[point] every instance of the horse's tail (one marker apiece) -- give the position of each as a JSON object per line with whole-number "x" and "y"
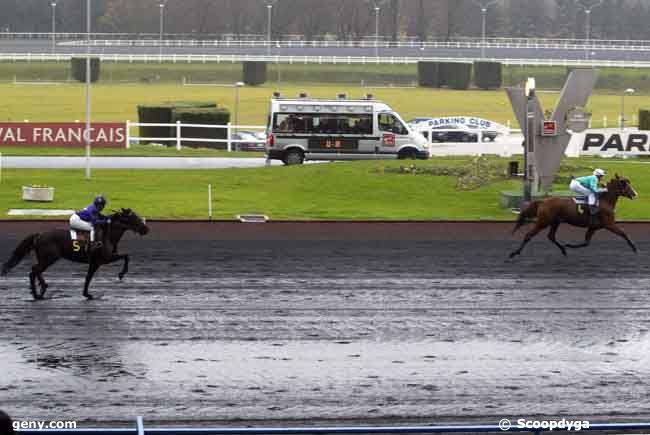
{"x": 19, "y": 253}
{"x": 526, "y": 214}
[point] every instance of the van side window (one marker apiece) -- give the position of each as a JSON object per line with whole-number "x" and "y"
{"x": 388, "y": 122}
{"x": 323, "y": 123}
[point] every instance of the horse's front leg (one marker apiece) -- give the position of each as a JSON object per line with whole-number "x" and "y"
{"x": 92, "y": 268}
{"x": 616, "y": 230}
{"x": 125, "y": 266}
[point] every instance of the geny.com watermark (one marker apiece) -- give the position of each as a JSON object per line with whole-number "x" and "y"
{"x": 564, "y": 424}
{"x": 42, "y": 425}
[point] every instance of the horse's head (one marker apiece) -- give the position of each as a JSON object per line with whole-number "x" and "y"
{"x": 621, "y": 187}
{"x": 131, "y": 221}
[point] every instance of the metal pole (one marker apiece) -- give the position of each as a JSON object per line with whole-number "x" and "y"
{"x": 622, "y": 121}
{"x": 53, "y": 27}
{"x": 376, "y": 31}
{"x": 530, "y": 148}
{"x": 269, "y": 7}
{"x": 160, "y": 39}
{"x": 88, "y": 90}
{"x": 484, "y": 13}
{"x": 236, "y": 106}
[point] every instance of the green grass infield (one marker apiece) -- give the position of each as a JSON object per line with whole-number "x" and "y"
{"x": 437, "y": 189}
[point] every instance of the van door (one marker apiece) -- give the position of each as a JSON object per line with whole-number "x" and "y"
{"x": 393, "y": 132}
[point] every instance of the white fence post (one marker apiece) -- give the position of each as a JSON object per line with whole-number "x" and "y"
{"x": 178, "y": 135}
{"x": 228, "y": 130}
{"x": 604, "y": 121}
{"x": 210, "y": 201}
{"x": 128, "y": 134}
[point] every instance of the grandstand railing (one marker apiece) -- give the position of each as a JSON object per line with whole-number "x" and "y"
{"x": 232, "y": 58}
{"x": 568, "y": 44}
{"x": 139, "y": 428}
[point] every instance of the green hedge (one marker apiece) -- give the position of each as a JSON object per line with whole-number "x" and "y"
{"x": 214, "y": 116}
{"x": 164, "y": 114}
{"x": 488, "y": 75}
{"x": 644, "y": 119}
{"x": 78, "y": 69}
{"x": 428, "y": 74}
{"x": 455, "y": 75}
{"x": 254, "y": 73}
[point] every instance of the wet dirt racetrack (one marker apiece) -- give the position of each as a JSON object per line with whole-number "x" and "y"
{"x": 225, "y": 330}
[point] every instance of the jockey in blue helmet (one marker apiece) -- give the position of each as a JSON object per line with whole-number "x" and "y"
{"x": 87, "y": 218}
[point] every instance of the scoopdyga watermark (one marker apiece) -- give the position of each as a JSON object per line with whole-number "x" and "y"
{"x": 546, "y": 425}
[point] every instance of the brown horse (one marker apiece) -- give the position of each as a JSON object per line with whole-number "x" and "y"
{"x": 554, "y": 211}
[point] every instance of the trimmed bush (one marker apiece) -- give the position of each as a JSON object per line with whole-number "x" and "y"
{"x": 488, "y": 75}
{"x": 644, "y": 119}
{"x": 254, "y": 73}
{"x": 443, "y": 73}
{"x": 191, "y": 104}
{"x": 164, "y": 114}
{"x": 428, "y": 74}
{"x": 455, "y": 75}
{"x": 210, "y": 116}
{"x": 78, "y": 69}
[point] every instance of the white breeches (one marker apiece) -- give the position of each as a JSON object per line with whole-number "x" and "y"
{"x": 582, "y": 190}
{"x": 76, "y": 223}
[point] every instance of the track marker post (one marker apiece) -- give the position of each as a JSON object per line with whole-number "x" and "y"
{"x": 210, "y": 201}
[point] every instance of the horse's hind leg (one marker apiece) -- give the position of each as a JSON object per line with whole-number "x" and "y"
{"x": 37, "y": 273}
{"x": 551, "y": 237}
{"x": 588, "y": 236}
{"x": 32, "y": 284}
{"x": 532, "y": 233}
{"x": 92, "y": 268}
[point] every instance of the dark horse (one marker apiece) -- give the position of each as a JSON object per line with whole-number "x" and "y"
{"x": 554, "y": 211}
{"x": 54, "y": 245}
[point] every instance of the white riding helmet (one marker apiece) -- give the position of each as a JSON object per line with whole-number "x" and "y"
{"x": 599, "y": 173}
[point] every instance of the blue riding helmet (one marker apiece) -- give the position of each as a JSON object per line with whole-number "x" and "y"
{"x": 100, "y": 202}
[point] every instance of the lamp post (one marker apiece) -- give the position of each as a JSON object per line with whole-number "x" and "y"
{"x": 484, "y": 5}
{"x": 237, "y": 86}
{"x": 160, "y": 38}
{"x": 629, "y": 91}
{"x": 87, "y": 133}
{"x": 376, "y": 31}
{"x": 588, "y": 9}
{"x": 376, "y": 6}
{"x": 529, "y": 136}
{"x": 269, "y": 13}
{"x": 53, "y": 27}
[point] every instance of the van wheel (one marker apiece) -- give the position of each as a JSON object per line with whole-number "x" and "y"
{"x": 407, "y": 154}
{"x": 293, "y": 157}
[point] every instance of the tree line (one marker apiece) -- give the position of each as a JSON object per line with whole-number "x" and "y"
{"x": 341, "y": 19}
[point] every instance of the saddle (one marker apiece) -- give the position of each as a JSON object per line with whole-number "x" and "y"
{"x": 582, "y": 200}
{"x": 79, "y": 235}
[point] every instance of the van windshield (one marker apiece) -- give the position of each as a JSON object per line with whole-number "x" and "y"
{"x": 390, "y": 122}
{"x": 323, "y": 123}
